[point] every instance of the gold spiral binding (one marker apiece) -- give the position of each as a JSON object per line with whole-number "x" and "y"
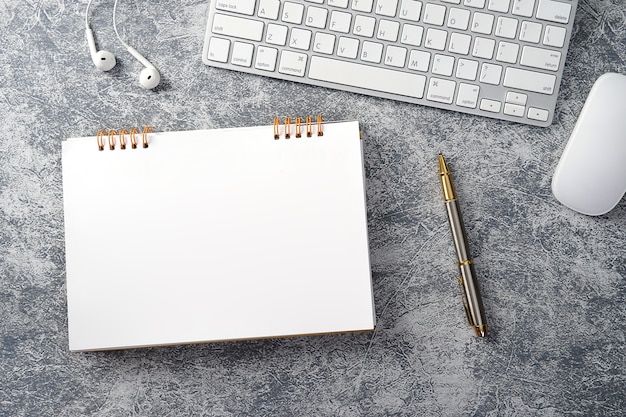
{"x": 287, "y": 128}
{"x": 123, "y": 134}
{"x": 133, "y": 139}
{"x": 320, "y": 131}
{"x": 112, "y": 133}
{"x": 309, "y": 127}
{"x": 298, "y": 123}
{"x": 100, "y": 139}
{"x": 276, "y": 127}
{"x": 144, "y": 135}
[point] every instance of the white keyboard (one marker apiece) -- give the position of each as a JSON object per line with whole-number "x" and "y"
{"x": 496, "y": 58}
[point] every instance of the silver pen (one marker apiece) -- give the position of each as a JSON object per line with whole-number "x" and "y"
{"x": 470, "y": 294}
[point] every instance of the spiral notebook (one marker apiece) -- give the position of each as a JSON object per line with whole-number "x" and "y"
{"x": 215, "y": 235}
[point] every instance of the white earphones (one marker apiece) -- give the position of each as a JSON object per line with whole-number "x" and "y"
{"x": 103, "y": 60}
{"x": 149, "y": 77}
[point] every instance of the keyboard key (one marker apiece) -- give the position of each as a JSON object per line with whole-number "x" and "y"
{"x": 483, "y": 48}
{"x": 523, "y": 8}
{"x": 482, "y": 23}
{"x": 337, "y": 3}
{"x": 372, "y": 52}
{"x": 467, "y": 69}
{"x": 477, "y": 4}
{"x": 362, "y": 5}
{"x": 386, "y": 7}
{"x": 410, "y": 10}
{"x": 530, "y": 32}
{"x": 460, "y": 43}
{"x": 435, "y": 39}
{"x": 266, "y": 58}
{"x": 242, "y": 54}
{"x": 490, "y": 74}
{"x": 554, "y": 11}
{"x": 441, "y": 90}
{"x": 388, "y": 30}
{"x": 292, "y": 13}
{"x": 218, "y": 49}
{"x": 506, "y": 27}
{"x": 554, "y": 36}
{"x": 458, "y": 18}
{"x": 443, "y": 65}
{"x": 300, "y": 39}
{"x": 395, "y": 56}
{"x": 514, "y": 110}
{"x": 434, "y": 14}
{"x": 237, "y": 27}
{"x": 364, "y": 26}
{"x": 467, "y": 95}
{"x": 419, "y": 60}
{"x": 538, "y": 114}
{"x": 236, "y": 6}
{"x": 516, "y": 98}
{"x": 489, "y": 105}
{"x": 269, "y": 9}
{"x": 501, "y": 6}
{"x": 276, "y": 34}
{"x": 348, "y": 47}
{"x": 340, "y": 22}
{"x": 324, "y": 43}
{"x": 540, "y": 58}
{"x": 507, "y": 52}
{"x": 529, "y": 80}
{"x": 364, "y": 76}
{"x": 412, "y": 35}
{"x": 292, "y": 63}
{"x": 316, "y": 17}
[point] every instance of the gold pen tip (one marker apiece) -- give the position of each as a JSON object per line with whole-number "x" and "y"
{"x": 443, "y": 167}
{"x": 481, "y": 331}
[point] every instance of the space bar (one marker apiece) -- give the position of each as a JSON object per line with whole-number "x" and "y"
{"x": 364, "y": 76}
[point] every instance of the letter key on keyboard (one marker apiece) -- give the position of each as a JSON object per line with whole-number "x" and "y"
{"x": 502, "y": 59}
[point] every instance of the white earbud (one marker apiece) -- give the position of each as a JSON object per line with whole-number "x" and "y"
{"x": 103, "y": 60}
{"x": 149, "y": 77}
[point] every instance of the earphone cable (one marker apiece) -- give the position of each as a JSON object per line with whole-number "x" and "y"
{"x": 115, "y": 25}
{"x": 87, "y": 14}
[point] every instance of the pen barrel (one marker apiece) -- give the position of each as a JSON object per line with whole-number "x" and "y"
{"x": 470, "y": 288}
{"x": 458, "y": 231}
{"x": 472, "y": 295}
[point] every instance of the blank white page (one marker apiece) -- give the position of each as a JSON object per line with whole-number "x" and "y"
{"x": 216, "y": 235}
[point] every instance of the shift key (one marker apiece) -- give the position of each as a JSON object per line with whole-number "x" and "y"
{"x": 237, "y": 27}
{"x": 529, "y": 80}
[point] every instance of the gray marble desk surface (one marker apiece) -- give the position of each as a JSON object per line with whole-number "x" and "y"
{"x": 553, "y": 281}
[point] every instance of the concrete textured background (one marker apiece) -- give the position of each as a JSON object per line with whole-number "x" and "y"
{"x": 553, "y": 281}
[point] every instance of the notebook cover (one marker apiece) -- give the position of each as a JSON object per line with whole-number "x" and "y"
{"x": 216, "y": 235}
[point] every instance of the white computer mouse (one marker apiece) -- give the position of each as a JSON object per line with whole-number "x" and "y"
{"x": 591, "y": 174}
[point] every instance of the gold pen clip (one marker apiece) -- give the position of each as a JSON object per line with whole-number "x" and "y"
{"x": 464, "y": 300}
